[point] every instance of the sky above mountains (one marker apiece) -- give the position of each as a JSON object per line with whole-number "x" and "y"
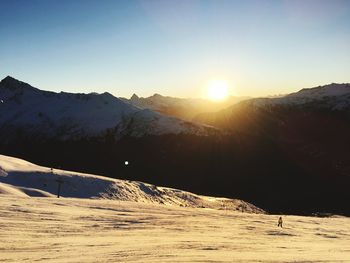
{"x": 175, "y": 47}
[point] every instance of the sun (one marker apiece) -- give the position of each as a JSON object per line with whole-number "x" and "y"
{"x": 217, "y": 90}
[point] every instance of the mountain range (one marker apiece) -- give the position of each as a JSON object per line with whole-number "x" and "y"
{"x": 284, "y": 154}
{"x": 184, "y": 108}
{"x": 65, "y": 116}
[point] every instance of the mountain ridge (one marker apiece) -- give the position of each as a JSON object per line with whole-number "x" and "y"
{"x": 78, "y": 114}
{"x": 183, "y": 108}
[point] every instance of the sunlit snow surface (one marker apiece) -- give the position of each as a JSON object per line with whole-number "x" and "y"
{"x": 145, "y": 223}
{"x": 85, "y": 230}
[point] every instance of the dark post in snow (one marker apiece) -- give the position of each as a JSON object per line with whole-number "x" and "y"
{"x": 59, "y": 181}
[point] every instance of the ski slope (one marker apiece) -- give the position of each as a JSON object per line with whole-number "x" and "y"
{"x": 85, "y": 230}
{"x": 108, "y": 220}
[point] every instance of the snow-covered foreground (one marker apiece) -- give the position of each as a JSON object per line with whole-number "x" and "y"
{"x": 101, "y": 219}
{"x": 84, "y": 230}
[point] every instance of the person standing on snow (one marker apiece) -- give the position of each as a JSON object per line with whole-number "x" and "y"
{"x": 280, "y": 222}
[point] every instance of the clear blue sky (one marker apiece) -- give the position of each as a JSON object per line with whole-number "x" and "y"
{"x": 175, "y": 47}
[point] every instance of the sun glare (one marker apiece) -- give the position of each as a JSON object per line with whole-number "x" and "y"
{"x": 217, "y": 90}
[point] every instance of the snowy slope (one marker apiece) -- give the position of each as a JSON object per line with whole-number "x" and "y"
{"x": 21, "y": 178}
{"x": 51, "y": 230}
{"x": 333, "y": 96}
{"x": 67, "y": 115}
{"x": 329, "y": 90}
{"x": 146, "y": 122}
{"x": 24, "y": 105}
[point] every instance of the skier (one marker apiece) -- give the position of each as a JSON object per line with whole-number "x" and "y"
{"x": 280, "y": 221}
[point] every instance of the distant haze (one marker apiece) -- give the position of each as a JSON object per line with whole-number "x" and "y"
{"x": 175, "y": 48}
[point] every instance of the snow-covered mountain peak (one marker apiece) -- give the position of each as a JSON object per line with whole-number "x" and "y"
{"x": 329, "y": 90}
{"x": 11, "y": 83}
{"x": 10, "y": 80}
